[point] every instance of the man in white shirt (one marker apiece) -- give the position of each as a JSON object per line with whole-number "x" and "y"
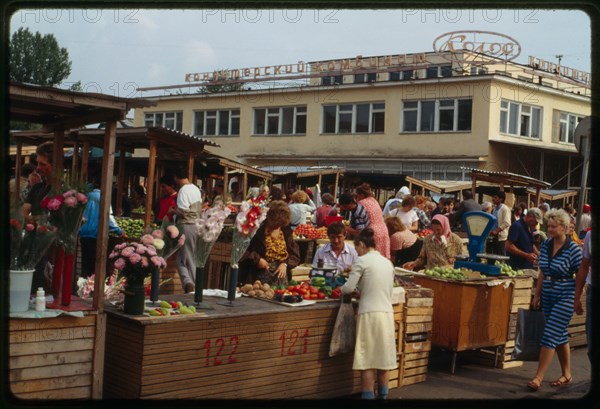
{"x": 502, "y": 213}
{"x": 395, "y": 202}
{"x": 337, "y": 252}
{"x": 189, "y": 205}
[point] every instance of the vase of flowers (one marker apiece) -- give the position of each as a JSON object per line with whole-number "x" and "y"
{"x": 166, "y": 240}
{"x": 250, "y": 216}
{"x": 209, "y": 224}
{"x": 136, "y": 261}
{"x": 29, "y": 241}
{"x": 65, "y": 212}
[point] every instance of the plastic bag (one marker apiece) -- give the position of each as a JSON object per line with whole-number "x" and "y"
{"x": 344, "y": 329}
{"x": 530, "y": 328}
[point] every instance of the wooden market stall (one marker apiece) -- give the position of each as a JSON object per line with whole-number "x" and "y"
{"x": 551, "y": 196}
{"x": 504, "y": 179}
{"x": 256, "y": 350}
{"x": 62, "y": 356}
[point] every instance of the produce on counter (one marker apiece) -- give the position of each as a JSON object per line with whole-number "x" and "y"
{"x": 258, "y": 289}
{"x": 167, "y": 308}
{"x": 450, "y": 273}
{"x": 133, "y": 228}
{"x": 508, "y": 270}
{"x": 424, "y": 233}
{"x": 308, "y": 231}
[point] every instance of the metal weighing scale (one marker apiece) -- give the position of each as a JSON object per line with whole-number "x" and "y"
{"x": 478, "y": 226}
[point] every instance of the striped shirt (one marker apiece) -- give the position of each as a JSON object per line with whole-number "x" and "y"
{"x": 359, "y": 219}
{"x": 565, "y": 262}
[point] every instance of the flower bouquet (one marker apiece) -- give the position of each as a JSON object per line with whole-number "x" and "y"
{"x": 136, "y": 261}
{"x": 29, "y": 242}
{"x": 251, "y": 214}
{"x": 209, "y": 224}
{"x": 65, "y": 212}
{"x": 114, "y": 287}
{"x": 166, "y": 240}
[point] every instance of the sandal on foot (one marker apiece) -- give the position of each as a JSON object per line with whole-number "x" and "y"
{"x": 532, "y": 385}
{"x": 563, "y": 380}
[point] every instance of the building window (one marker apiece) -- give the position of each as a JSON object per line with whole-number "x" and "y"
{"x": 354, "y": 118}
{"x": 445, "y": 115}
{"x": 403, "y": 75}
{"x": 280, "y": 121}
{"x": 567, "y": 125}
{"x": 362, "y": 78}
{"x": 217, "y": 123}
{"x": 332, "y": 80}
{"x": 170, "y": 120}
{"x": 520, "y": 119}
{"x": 439, "y": 71}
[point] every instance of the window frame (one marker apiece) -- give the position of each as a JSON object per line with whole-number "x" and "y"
{"x": 279, "y": 116}
{"x": 217, "y": 118}
{"x": 175, "y": 116}
{"x": 437, "y": 108}
{"x": 353, "y": 121}
{"x": 504, "y": 126}
{"x": 569, "y": 133}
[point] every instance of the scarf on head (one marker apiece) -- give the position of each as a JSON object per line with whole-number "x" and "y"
{"x": 445, "y": 227}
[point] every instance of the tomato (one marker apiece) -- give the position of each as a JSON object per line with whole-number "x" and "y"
{"x": 306, "y": 296}
{"x": 313, "y": 290}
{"x": 321, "y": 296}
{"x": 314, "y": 296}
{"x": 291, "y": 287}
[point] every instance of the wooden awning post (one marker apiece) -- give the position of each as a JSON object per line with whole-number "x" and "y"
{"x": 335, "y": 186}
{"x": 245, "y": 185}
{"x": 18, "y": 168}
{"x": 537, "y": 196}
{"x": 225, "y": 185}
{"x": 190, "y": 166}
{"x": 59, "y": 154}
{"x": 85, "y": 160}
{"x": 118, "y": 210}
{"x": 108, "y": 162}
{"x": 150, "y": 190}
{"x": 75, "y": 160}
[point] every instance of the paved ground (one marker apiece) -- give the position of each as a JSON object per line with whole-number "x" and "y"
{"x": 474, "y": 382}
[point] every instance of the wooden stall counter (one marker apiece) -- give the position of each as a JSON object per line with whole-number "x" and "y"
{"x": 254, "y": 350}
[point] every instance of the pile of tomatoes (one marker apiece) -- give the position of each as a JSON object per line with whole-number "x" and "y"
{"x": 308, "y": 231}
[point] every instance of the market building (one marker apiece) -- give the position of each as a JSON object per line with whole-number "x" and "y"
{"x": 428, "y": 115}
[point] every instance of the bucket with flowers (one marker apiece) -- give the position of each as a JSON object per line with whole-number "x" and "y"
{"x": 65, "y": 212}
{"x": 29, "y": 241}
{"x": 135, "y": 261}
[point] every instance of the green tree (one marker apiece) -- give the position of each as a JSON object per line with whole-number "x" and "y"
{"x": 37, "y": 59}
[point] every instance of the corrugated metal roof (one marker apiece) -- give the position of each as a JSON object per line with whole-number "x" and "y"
{"x": 511, "y": 177}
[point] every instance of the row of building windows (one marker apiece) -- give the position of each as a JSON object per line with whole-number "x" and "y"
{"x": 442, "y": 115}
{"x": 437, "y": 71}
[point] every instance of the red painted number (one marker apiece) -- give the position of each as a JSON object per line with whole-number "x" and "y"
{"x": 289, "y": 341}
{"x": 220, "y": 344}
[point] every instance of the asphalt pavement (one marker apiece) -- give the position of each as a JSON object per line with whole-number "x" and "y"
{"x": 475, "y": 382}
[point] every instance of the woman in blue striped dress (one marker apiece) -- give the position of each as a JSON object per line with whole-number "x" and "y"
{"x": 559, "y": 260}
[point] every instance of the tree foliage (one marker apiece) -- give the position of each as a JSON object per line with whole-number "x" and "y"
{"x": 37, "y": 59}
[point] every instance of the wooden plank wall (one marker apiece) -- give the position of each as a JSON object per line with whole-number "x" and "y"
{"x": 51, "y": 358}
{"x": 267, "y": 356}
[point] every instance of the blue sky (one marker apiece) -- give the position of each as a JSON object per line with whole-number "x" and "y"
{"x": 117, "y": 51}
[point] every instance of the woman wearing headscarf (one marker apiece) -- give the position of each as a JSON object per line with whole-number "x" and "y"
{"x": 365, "y": 197}
{"x": 440, "y": 248}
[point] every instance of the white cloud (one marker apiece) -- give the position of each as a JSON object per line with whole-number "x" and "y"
{"x": 200, "y": 57}
{"x": 155, "y": 72}
{"x": 146, "y": 22}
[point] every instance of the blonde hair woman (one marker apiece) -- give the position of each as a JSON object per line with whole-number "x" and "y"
{"x": 559, "y": 260}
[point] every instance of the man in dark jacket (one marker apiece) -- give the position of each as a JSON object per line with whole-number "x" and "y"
{"x": 467, "y": 205}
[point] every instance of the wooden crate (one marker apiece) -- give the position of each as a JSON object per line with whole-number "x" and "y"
{"x": 52, "y": 358}
{"x": 414, "y": 343}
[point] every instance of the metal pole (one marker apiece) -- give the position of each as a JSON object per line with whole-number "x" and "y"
{"x": 586, "y": 146}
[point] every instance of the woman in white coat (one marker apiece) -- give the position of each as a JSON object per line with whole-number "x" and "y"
{"x": 375, "y": 350}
